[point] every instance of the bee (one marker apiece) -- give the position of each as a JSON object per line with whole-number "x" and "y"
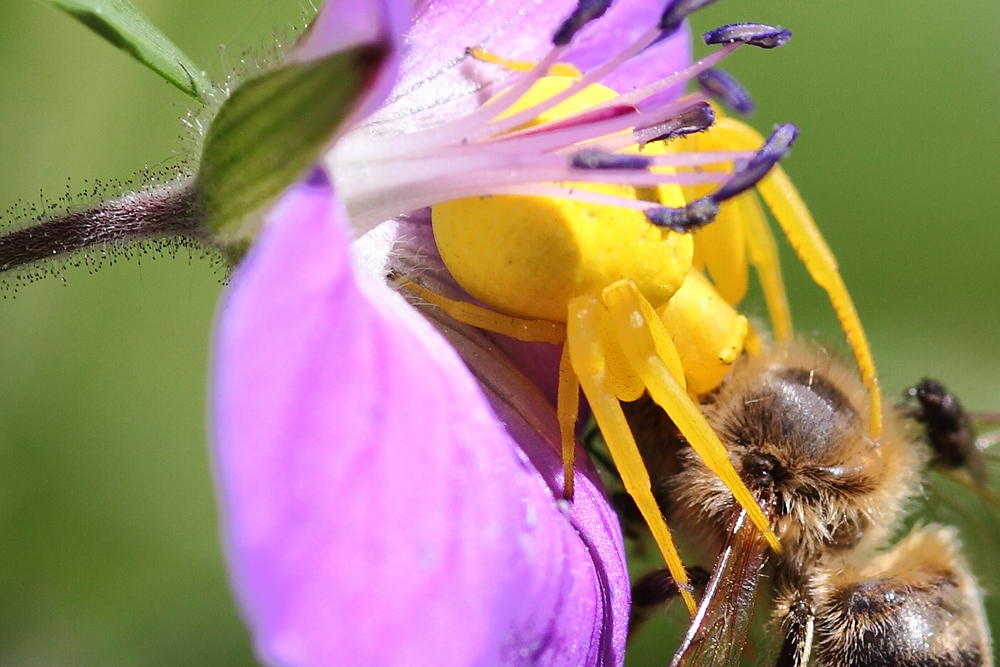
{"x": 794, "y": 422}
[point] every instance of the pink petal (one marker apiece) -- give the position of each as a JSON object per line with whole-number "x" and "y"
{"x": 375, "y": 509}
{"x": 344, "y": 24}
{"x": 437, "y": 82}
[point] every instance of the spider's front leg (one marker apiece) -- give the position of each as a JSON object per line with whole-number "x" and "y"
{"x": 590, "y": 362}
{"x": 649, "y": 350}
{"x": 799, "y": 227}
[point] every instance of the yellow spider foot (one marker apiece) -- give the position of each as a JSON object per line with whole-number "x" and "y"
{"x": 793, "y": 216}
{"x": 650, "y": 351}
{"x": 805, "y": 238}
{"x": 567, "y": 411}
{"x": 590, "y": 365}
{"x": 536, "y": 331}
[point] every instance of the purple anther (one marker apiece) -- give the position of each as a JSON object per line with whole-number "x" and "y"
{"x": 595, "y": 158}
{"x": 723, "y": 86}
{"x": 676, "y": 11}
{"x": 775, "y": 148}
{"x": 756, "y": 34}
{"x": 585, "y": 12}
{"x": 694, "y": 119}
{"x": 692, "y": 217}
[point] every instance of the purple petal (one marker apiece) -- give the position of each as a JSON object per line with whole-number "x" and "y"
{"x": 341, "y": 25}
{"x": 374, "y": 508}
{"x": 436, "y": 82}
{"x": 624, "y": 23}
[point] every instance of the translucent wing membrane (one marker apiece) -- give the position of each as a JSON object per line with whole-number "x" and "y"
{"x": 719, "y": 629}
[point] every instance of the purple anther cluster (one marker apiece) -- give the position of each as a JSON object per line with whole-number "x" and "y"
{"x": 724, "y": 87}
{"x": 756, "y": 34}
{"x": 702, "y": 211}
{"x": 595, "y": 158}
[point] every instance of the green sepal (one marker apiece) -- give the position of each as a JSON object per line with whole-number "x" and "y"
{"x": 271, "y": 130}
{"x": 119, "y": 22}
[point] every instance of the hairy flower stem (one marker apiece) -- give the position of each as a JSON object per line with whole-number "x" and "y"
{"x": 157, "y": 212}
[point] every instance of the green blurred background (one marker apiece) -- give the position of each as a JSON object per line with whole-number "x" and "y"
{"x": 108, "y": 535}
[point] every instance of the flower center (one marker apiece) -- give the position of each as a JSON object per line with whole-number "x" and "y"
{"x": 525, "y": 143}
{"x": 529, "y": 255}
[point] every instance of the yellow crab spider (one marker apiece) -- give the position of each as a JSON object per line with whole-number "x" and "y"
{"x": 555, "y": 270}
{"x": 601, "y": 261}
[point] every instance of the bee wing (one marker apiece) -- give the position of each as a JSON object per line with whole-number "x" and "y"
{"x": 986, "y": 426}
{"x": 954, "y": 498}
{"x": 982, "y": 463}
{"x": 719, "y": 628}
{"x": 980, "y": 475}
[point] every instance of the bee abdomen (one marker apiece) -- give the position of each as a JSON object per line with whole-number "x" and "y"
{"x": 922, "y": 610}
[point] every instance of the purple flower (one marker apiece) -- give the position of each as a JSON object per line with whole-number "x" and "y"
{"x": 389, "y": 487}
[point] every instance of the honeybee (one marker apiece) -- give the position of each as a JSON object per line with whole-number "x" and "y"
{"x": 794, "y": 422}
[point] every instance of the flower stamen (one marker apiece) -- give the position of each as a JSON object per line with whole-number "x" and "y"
{"x": 758, "y": 34}
{"x": 697, "y": 118}
{"x": 702, "y": 211}
{"x": 724, "y": 87}
{"x": 569, "y": 129}
{"x": 585, "y": 12}
{"x": 678, "y": 10}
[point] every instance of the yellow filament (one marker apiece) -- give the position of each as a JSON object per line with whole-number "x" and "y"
{"x": 559, "y": 69}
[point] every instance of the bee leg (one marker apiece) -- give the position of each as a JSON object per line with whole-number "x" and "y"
{"x": 798, "y": 627}
{"x": 654, "y": 590}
